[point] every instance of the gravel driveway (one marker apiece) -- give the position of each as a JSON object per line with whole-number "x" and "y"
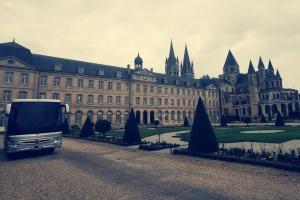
{"x": 90, "y": 170}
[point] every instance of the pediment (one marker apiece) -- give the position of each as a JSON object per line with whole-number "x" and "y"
{"x": 144, "y": 75}
{"x": 14, "y": 62}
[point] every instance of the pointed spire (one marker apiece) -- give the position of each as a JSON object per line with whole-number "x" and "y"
{"x": 251, "y": 69}
{"x": 186, "y": 58}
{"x": 270, "y": 66}
{"x": 261, "y": 65}
{"x": 171, "y": 54}
{"x": 278, "y": 75}
{"x": 230, "y": 60}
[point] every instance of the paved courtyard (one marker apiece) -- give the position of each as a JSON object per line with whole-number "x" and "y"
{"x": 90, "y": 170}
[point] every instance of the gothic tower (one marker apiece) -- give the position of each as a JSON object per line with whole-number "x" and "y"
{"x": 261, "y": 74}
{"x": 172, "y": 63}
{"x": 231, "y": 69}
{"x": 187, "y": 67}
{"x": 253, "y": 91}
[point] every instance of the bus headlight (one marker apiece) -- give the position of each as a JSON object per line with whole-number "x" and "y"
{"x": 12, "y": 144}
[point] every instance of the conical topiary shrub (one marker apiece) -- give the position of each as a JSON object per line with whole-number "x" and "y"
{"x": 186, "y": 122}
{"x": 263, "y": 119}
{"x": 279, "y": 121}
{"x": 132, "y": 133}
{"x": 65, "y": 127}
{"x": 223, "y": 121}
{"x": 87, "y": 128}
{"x": 202, "y": 136}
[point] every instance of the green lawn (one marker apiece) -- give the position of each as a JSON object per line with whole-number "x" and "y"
{"x": 233, "y": 134}
{"x": 146, "y": 132}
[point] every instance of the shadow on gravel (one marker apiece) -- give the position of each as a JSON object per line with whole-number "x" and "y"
{"x": 24, "y": 155}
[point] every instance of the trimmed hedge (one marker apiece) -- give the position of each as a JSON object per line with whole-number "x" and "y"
{"x": 150, "y": 146}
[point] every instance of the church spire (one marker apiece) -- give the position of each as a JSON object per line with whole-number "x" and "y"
{"x": 187, "y": 67}
{"x": 261, "y": 65}
{"x": 171, "y": 53}
{"x": 172, "y": 63}
{"x": 278, "y": 75}
{"x": 251, "y": 69}
{"x": 270, "y": 66}
{"x": 230, "y": 60}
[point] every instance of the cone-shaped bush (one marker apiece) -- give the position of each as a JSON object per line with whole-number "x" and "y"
{"x": 279, "y": 121}
{"x": 263, "y": 119}
{"x": 202, "y": 136}
{"x": 102, "y": 126}
{"x": 186, "y": 122}
{"x": 132, "y": 133}
{"x": 223, "y": 121}
{"x": 65, "y": 127}
{"x": 87, "y": 128}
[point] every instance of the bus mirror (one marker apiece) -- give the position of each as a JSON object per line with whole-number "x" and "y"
{"x": 7, "y": 109}
{"x": 67, "y": 108}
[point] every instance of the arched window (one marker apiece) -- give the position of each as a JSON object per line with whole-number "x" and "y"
{"x": 99, "y": 115}
{"x": 125, "y": 116}
{"x": 109, "y": 116}
{"x": 90, "y": 114}
{"x": 190, "y": 115}
{"x": 178, "y": 116}
{"x": 172, "y": 115}
{"x": 166, "y": 116}
{"x": 78, "y": 118}
{"x": 118, "y": 117}
{"x": 159, "y": 115}
{"x": 183, "y": 115}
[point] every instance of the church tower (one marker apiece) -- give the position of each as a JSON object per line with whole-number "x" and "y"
{"x": 261, "y": 74}
{"x": 231, "y": 69}
{"x": 172, "y": 63}
{"x": 187, "y": 67}
{"x": 253, "y": 91}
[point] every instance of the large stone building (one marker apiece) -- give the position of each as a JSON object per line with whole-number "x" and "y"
{"x": 108, "y": 92}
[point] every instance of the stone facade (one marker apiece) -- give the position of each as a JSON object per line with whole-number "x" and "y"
{"x": 108, "y": 92}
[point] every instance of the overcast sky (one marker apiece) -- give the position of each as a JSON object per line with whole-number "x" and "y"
{"x": 112, "y": 32}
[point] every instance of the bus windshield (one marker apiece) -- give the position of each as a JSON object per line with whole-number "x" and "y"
{"x": 34, "y": 117}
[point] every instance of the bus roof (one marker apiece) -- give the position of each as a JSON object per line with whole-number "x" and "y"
{"x": 37, "y": 100}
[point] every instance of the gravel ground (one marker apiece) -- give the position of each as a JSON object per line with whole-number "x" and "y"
{"x": 90, "y": 170}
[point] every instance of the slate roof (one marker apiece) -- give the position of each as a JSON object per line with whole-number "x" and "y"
{"x": 243, "y": 78}
{"x": 13, "y": 49}
{"x": 230, "y": 60}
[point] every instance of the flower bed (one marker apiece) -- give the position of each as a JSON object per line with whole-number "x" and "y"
{"x": 110, "y": 140}
{"x": 285, "y": 161}
{"x": 150, "y": 146}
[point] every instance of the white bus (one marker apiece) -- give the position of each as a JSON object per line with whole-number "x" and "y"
{"x": 34, "y": 124}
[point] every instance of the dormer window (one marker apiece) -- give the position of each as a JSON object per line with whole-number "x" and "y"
{"x": 100, "y": 72}
{"x": 81, "y": 69}
{"x": 165, "y": 80}
{"x": 119, "y": 74}
{"x": 57, "y": 67}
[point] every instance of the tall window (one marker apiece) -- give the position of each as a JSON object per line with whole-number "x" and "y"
{"x": 100, "y": 85}
{"x": 22, "y": 95}
{"x": 56, "y": 81}
{"x": 126, "y": 100}
{"x": 55, "y": 96}
{"x": 68, "y": 98}
{"x": 178, "y": 102}
{"x": 109, "y": 116}
{"x": 6, "y": 95}
{"x": 166, "y": 90}
{"x": 145, "y": 88}
{"x": 79, "y": 99}
{"x": 90, "y": 99}
{"x": 151, "y": 89}
{"x": 69, "y": 83}
{"x": 100, "y": 99}
{"x": 183, "y": 92}
{"x": 99, "y": 115}
{"x": 144, "y": 101}
{"x": 172, "y": 90}
{"x": 118, "y": 100}
{"x": 91, "y": 84}
{"x": 8, "y": 77}
{"x": 43, "y": 80}
{"x": 137, "y": 88}
{"x": 159, "y": 90}
{"x": 172, "y": 115}
{"x": 183, "y": 102}
{"x": 178, "y": 91}
{"x": 126, "y": 87}
{"x": 43, "y": 95}
{"x": 78, "y": 118}
{"x": 137, "y": 100}
{"x": 166, "y": 116}
{"x": 90, "y": 115}
{"x": 159, "y": 101}
{"x": 166, "y": 102}
{"x": 80, "y": 83}
{"x": 110, "y": 86}
{"x": 118, "y": 86}
{"x": 118, "y": 117}
{"x": 151, "y": 101}
{"x": 109, "y": 99}
{"x": 24, "y": 79}
{"x": 80, "y": 69}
